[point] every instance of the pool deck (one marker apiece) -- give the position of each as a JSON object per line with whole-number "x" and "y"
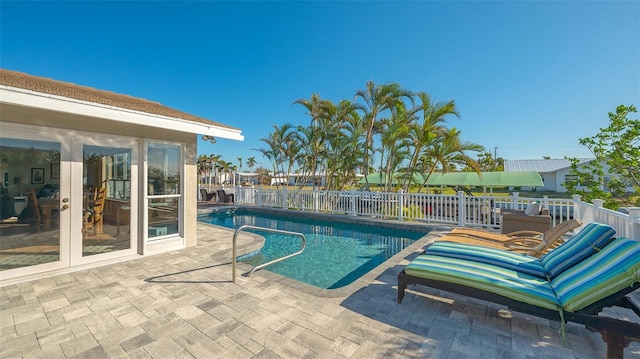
{"x": 183, "y": 304}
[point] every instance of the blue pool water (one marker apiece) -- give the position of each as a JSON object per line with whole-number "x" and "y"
{"x": 336, "y": 254}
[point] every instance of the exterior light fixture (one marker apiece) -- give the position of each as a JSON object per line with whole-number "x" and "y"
{"x": 209, "y": 138}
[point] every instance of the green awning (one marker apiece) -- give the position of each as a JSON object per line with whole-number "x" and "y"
{"x": 486, "y": 179}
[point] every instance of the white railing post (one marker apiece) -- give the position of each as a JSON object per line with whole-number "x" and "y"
{"x": 316, "y": 196}
{"x": 634, "y": 219}
{"x": 545, "y": 201}
{"x": 514, "y": 200}
{"x": 462, "y": 213}
{"x": 352, "y": 197}
{"x": 400, "y": 204}
{"x": 597, "y": 207}
{"x": 285, "y": 197}
{"x": 259, "y": 197}
{"x": 577, "y": 208}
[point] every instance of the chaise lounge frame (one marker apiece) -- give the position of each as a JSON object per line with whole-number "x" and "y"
{"x": 616, "y": 333}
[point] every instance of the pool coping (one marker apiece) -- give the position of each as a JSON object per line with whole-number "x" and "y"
{"x": 434, "y": 232}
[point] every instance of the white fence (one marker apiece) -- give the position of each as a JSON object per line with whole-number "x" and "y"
{"x": 459, "y": 209}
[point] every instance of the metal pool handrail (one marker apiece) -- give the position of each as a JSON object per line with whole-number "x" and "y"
{"x": 246, "y": 226}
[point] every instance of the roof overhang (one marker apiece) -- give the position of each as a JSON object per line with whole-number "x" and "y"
{"x": 31, "y": 99}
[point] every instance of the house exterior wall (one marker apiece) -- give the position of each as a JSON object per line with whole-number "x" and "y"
{"x": 66, "y": 124}
{"x": 560, "y": 176}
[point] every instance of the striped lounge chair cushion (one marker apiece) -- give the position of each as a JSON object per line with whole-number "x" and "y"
{"x": 614, "y": 268}
{"x": 593, "y": 237}
{"x": 506, "y": 282}
{"x": 501, "y": 258}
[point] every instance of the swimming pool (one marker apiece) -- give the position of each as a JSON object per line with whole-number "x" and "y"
{"x": 336, "y": 254}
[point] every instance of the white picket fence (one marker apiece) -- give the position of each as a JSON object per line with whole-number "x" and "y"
{"x": 459, "y": 209}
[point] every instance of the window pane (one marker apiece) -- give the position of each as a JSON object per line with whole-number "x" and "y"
{"x": 107, "y": 200}
{"x": 163, "y": 169}
{"x": 163, "y": 216}
{"x": 29, "y": 203}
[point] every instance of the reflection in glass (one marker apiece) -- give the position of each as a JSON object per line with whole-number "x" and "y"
{"x": 163, "y": 176}
{"x": 30, "y": 207}
{"x": 106, "y": 200}
{"x": 163, "y": 216}
{"x": 163, "y": 169}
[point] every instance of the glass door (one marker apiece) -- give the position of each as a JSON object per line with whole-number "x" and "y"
{"x": 105, "y": 223}
{"x": 34, "y": 196}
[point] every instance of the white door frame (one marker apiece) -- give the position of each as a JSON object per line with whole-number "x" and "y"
{"x": 77, "y": 188}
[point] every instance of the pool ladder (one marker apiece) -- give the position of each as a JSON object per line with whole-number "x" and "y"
{"x": 258, "y": 267}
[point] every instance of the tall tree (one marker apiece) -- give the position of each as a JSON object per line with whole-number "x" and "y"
{"x": 251, "y": 161}
{"x": 377, "y": 99}
{"x": 426, "y": 133}
{"x": 394, "y": 142}
{"x": 449, "y": 153}
{"x": 616, "y": 146}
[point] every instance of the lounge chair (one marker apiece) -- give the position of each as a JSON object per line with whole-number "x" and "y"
{"x": 592, "y": 238}
{"x": 224, "y": 197}
{"x": 206, "y": 196}
{"x": 577, "y": 294}
{"x": 529, "y": 242}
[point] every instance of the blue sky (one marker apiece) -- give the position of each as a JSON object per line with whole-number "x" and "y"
{"x": 529, "y": 78}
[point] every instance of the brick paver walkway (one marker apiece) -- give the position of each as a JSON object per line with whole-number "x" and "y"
{"x": 184, "y": 305}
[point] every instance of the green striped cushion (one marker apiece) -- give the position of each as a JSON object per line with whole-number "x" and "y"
{"x": 583, "y": 244}
{"x": 509, "y": 283}
{"x": 614, "y": 268}
{"x": 501, "y": 258}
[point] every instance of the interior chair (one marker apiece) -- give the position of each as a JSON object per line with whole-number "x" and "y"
{"x": 529, "y": 242}
{"x": 577, "y": 294}
{"x": 206, "y": 196}
{"x": 93, "y": 216}
{"x": 225, "y": 197}
{"x": 31, "y": 213}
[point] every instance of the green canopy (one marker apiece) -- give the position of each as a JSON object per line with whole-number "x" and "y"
{"x": 486, "y": 179}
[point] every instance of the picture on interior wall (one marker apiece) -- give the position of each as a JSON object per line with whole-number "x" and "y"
{"x": 55, "y": 170}
{"x": 37, "y": 175}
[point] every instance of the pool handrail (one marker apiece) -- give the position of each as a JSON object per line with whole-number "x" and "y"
{"x": 258, "y": 267}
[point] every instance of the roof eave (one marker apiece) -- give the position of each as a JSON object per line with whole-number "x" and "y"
{"x": 28, "y": 98}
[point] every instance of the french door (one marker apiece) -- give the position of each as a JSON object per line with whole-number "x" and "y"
{"x": 104, "y": 178}
{"x": 68, "y": 199}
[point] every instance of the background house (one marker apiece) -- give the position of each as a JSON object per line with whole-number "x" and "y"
{"x": 554, "y": 172}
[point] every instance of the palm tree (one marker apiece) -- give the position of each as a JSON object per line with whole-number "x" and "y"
{"x": 428, "y": 131}
{"x": 251, "y": 161}
{"x": 281, "y": 148}
{"x": 213, "y": 163}
{"x": 449, "y": 152}
{"x": 377, "y": 99}
{"x": 203, "y": 166}
{"x": 240, "y": 161}
{"x": 395, "y": 144}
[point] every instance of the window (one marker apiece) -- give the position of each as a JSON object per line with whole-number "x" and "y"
{"x": 164, "y": 188}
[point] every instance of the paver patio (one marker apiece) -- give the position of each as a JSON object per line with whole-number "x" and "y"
{"x": 183, "y": 304}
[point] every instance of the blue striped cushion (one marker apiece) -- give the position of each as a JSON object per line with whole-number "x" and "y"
{"x": 509, "y": 283}
{"x": 505, "y": 259}
{"x": 614, "y": 268}
{"x": 583, "y": 244}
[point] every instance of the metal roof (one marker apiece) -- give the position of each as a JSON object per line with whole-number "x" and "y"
{"x": 540, "y": 166}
